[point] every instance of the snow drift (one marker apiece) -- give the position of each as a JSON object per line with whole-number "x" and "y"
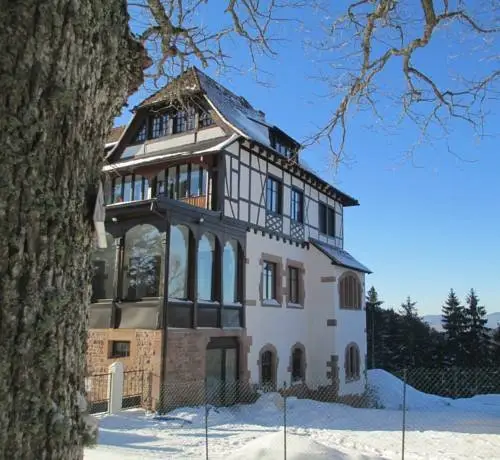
{"x": 389, "y": 391}
{"x": 299, "y": 447}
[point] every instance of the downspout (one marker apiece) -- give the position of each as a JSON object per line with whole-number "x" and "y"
{"x": 162, "y": 405}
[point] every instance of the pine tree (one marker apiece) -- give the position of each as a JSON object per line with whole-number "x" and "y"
{"x": 454, "y": 323}
{"x": 374, "y": 328}
{"x": 495, "y": 353}
{"x": 477, "y": 340}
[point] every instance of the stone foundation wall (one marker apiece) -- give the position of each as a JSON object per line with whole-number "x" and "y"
{"x": 145, "y": 350}
{"x": 186, "y": 354}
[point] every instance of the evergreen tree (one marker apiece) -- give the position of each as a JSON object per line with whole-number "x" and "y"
{"x": 413, "y": 336}
{"x": 454, "y": 324}
{"x": 374, "y": 328}
{"x": 495, "y": 352}
{"x": 476, "y": 337}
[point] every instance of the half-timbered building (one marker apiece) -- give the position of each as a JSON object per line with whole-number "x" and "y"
{"x": 225, "y": 257}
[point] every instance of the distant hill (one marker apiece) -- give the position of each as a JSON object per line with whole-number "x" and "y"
{"x": 435, "y": 321}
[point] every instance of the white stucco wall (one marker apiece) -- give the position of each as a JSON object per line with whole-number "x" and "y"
{"x": 283, "y": 327}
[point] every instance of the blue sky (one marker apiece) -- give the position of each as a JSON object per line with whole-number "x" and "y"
{"x": 423, "y": 226}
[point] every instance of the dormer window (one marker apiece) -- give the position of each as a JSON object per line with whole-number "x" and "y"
{"x": 142, "y": 134}
{"x": 205, "y": 119}
{"x": 159, "y": 125}
{"x": 183, "y": 121}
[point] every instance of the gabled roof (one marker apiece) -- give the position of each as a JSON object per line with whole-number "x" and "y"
{"x": 115, "y": 134}
{"x": 233, "y": 109}
{"x": 339, "y": 256}
{"x": 236, "y": 112}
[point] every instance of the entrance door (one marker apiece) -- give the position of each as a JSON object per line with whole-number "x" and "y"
{"x": 222, "y": 371}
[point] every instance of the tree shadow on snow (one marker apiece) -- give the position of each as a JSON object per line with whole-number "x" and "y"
{"x": 130, "y": 440}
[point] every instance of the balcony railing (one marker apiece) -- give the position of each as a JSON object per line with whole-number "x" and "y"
{"x": 198, "y": 201}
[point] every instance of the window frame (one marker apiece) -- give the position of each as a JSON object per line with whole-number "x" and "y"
{"x": 114, "y": 353}
{"x": 293, "y": 290}
{"x": 275, "y": 204}
{"x": 352, "y": 364}
{"x": 350, "y": 292}
{"x": 326, "y": 219}
{"x": 297, "y": 205}
{"x": 269, "y": 281}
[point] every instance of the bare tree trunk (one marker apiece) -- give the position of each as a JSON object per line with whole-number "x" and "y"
{"x": 66, "y": 68}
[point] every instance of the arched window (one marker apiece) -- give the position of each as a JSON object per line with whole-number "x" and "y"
{"x": 350, "y": 292}
{"x": 268, "y": 363}
{"x": 352, "y": 362}
{"x": 143, "y": 261}
{"x": 103, "y": 270}
{"x": 205, "y": 274}
{"x": 230, "y": 272}
{"x": 178, "y": 262}
{"x": 298, "y": 364}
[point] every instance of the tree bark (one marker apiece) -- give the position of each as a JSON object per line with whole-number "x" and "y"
{"x": 66, "y": 69}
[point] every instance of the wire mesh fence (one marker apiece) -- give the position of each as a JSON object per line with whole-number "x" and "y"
{"x": 404, "y": 411}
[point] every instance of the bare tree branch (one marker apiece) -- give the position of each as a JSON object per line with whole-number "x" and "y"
{"x": 383, "y": 31}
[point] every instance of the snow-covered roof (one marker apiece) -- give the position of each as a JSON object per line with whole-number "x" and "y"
{"x": 233, "y": 109}
{"x": 236, "y": 112}
{"x": 339, "y": 256}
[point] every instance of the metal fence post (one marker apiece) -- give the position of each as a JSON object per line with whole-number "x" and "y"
{"x": 404, "y": 415}
{"x": 284, "y": 421}
{"x": 206, "y": 420}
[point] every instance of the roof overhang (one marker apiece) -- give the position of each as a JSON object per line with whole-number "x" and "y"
{"x": 340, "y": 256}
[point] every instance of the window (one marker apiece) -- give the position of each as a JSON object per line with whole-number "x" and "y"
{"x": 188, "y": 180}
{"x": 205, "y": 282}
{"x": 326, "y": 219}
{"x": 130, "y": 188}
{"x": 352, "y": 363}
{"x": 103, "y": 265}
{"x": 159, "y": 125}
{"x": 117, "y": 190}
{"x": 183, "y": 121}
{"x": 172, "y": 183}
{"x": 350, "y": 292}
{"x": 293, "y": 285}
{"x": 267, "y": 373}
{"x": 269, "y": 281}
{"x": 178, "y": 262}
{"x": 230, "y": 272}
{"x": 183, "y": 181}
{"x": 273, "y": 195}
{"x": 127, "y": 188}
{"x": 143, "y": 257}
{"x": 119, "y": 349}
{"x": 196, "y": 181}
{"x": 205, "y": 119}
{"x": 138, "y": 188}
{"x": 297, "y": 364}
{"x": 142, "y": 134}
{"x": 297, "y": 206}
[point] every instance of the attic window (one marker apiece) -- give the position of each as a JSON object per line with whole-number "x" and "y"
{"x": 159, "y": 125}
{"x": 183, "y": 121}
{"x": 205, "y": 119}
{"x": 142, "y": 133}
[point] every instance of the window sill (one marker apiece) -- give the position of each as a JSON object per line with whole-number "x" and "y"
{"x": 297, "y": 306}
{"x": 351, "y": 308}
{"x": 270, "y": 303}
{"x": 352, "y": 379}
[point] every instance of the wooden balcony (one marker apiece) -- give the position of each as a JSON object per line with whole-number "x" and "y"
{"x": 198, "y": 201}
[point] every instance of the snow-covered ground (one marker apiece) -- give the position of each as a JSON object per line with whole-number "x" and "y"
{"x": 437, "y": 428}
